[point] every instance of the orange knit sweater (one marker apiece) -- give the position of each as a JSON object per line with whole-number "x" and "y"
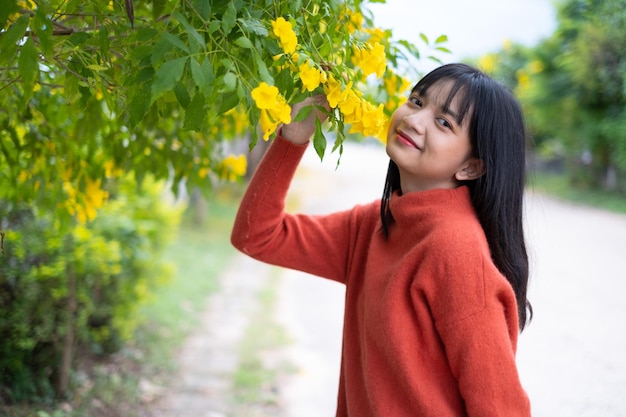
{"x": 430, "y": 326}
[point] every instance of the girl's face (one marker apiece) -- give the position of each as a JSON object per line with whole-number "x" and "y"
{"x": 429, "y": 146}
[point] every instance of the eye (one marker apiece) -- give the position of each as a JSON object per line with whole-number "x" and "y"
{"x": 416, "y": 101}
{"x": 443, "y": 122}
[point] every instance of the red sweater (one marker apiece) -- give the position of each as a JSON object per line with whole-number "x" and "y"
{"x": 430, "y": 326}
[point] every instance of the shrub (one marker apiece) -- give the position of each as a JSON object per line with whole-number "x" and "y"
{"x": 78, "y": 287}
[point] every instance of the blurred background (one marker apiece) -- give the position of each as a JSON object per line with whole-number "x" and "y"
{"x": 120, "y": 294}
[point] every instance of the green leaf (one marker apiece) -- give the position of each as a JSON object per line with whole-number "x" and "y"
{"x": 194, "y": 36}
{"x": 203, "y": 8}
{"x": 441, "y": 39}
{"x": 253, "y": 25}
{"x": 28, "y": 63}
{"x": 139, "y": 104}
{"x": 230, "y": 82}
{"x": 44, "y": 28}
{"x": 196, "y": 73}
{"x": 202, "y": 76}
{"x": 182, "y": 95}
{"x": 261, "y": 68}
{"x": 160, "y": 50}
{"x": 244, "y": 42}
{"x": 79, "y": 38}
{"x": 8, "y": 8}
{"x": 103, "y": 40}
{"x": 213, "y": 26}
{"x": 175, "y": 41}
{"x": 442, "y": 49}
{"x": 166, "y": 77}
{"x": 158, "y": 6}
{"x": 424, "y": 38}
{"x": 9, "y": 39}
{"x": 195, "y": 113}
{"x": 319, "y": 140}
{"x": 228, "y": 102}
{"x": 303, "y": 114}
{"x": 228, "y": 19}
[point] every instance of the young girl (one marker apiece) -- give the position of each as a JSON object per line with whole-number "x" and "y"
{"x": 435, "y": 272}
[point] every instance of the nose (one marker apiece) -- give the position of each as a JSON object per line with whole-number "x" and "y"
{"x": 415, "y": 121}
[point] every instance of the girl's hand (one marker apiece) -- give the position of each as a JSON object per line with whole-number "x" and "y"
{"x": 300, "y": 132}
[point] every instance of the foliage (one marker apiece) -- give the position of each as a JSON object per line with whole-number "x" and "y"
{"x": 92, "y": 89}
{"x": 573, "y": 88}
{"x": 113, "y": 264}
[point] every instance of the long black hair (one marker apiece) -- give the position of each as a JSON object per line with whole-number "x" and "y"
{"x": 498, "y": 138}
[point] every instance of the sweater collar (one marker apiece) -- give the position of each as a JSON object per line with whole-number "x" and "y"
{"x": 410, "y": 207}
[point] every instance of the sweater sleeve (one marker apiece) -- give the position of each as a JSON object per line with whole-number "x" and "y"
{"x": 475, "y": 312}
{"x": 318, "y": 245}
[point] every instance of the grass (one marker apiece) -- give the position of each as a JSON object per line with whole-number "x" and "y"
{"x": 558, "y": 185}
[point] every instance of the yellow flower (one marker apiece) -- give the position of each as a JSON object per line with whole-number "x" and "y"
{"x": 356, "y": 22}
{"x": 265, "y": 96}
{"x": 488, "y": 63}
{"x": 351, "y": 104}
{"x": 395, "y": 84}
{"x": 371, "y": 59}
{"x": 311, "y": 77}
{"x": 377, "y": 34}
{"x": 332, "y": 89}
{"x": 273, "y": 106}
{"x": 369, "y": 120}
{"x": 234, "y": 167}
{"x": 283, "y": 30}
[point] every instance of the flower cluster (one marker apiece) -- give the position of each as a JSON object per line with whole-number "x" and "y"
{"x": 283, "y": 30}
{"x": 370, "y": 58}
{"x": 310, "y": 76}
{"x": 273, "y": 106}
{"x": 234, "y": 167}
{"x": 363, "y": 116}
{"x": 84, "y": 205}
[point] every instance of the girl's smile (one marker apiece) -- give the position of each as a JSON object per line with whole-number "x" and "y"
{"x": 406, "y": 139}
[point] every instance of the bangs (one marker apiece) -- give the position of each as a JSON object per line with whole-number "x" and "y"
{"x": 464, "y": 90}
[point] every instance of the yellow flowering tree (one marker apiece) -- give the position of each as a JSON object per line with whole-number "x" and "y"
{"x": 91, "y": 90}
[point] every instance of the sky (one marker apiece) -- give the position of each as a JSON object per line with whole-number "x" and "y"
{"x": 473, "y": 27}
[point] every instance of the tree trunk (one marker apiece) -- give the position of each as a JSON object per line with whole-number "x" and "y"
{"x": 68, "y": 342}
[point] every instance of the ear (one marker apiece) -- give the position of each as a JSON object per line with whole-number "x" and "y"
{"x": 472, "y": 168}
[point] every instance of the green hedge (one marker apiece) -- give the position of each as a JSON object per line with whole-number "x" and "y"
{"x": 62, "y": 291}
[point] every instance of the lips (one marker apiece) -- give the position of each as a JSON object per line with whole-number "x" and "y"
{"x": 406, "y": 140}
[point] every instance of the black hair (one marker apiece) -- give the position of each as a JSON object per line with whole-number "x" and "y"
{"x": 498, "y": 137}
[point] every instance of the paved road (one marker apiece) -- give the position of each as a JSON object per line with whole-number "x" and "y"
{"x": 572, "y": 358}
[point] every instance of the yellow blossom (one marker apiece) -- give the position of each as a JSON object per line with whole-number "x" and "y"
{"x": 370, "y": 120}
{"x": 311, "y": 77}
{"x": 377, "y": 34}
{"x": 265, "y": 96}
{"x": 234, "y": 167}
{"x": 488, "y": 63}
{"x": 273, "y": 106}
{"x": 283, "y": 30}
{"x": 356, "y": 22}
{"x": 370, "y": 58}
{"x": 350, "y": 104}
{"x": 334, "y": 94}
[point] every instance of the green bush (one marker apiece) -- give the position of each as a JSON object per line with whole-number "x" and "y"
{"x": 87, "y": 282}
